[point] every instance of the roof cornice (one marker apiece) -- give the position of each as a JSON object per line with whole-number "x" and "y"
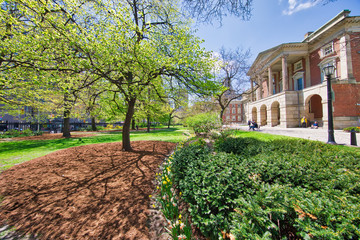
{"x": 268, "y": 56}
{"x": 338, "y": 18}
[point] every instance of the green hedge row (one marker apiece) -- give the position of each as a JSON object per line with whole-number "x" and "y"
{"x": 16, "y": 133}
{"x": 285, "y": 189}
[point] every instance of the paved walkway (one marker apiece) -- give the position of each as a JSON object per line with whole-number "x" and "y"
{"x": 319, "y": 134}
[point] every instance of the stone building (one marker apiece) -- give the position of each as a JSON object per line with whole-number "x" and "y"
{"x": 288, "y": 83}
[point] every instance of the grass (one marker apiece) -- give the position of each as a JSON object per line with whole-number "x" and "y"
{"x": 16, "y": 152}
{"x": 269, "y": 137}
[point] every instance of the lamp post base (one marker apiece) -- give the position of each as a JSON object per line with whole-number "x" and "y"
{"x": 331, "y": 138}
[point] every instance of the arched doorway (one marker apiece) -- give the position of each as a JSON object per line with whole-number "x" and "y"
{"x": 315, "y": 108}
{"x": 263, "y": 115}
{"x": 254, "y": 114}
{"x": 275, "y": 113}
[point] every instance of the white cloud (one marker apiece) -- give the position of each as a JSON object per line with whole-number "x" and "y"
{"x": 299, "y": 5}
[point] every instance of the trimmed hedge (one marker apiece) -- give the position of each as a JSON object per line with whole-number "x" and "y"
{"x": 284, "y": 189}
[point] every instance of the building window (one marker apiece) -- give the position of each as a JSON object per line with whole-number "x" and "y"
{"x": 298, "y": 81}
{"x": 274, "y": 86}
{"x": 298, "y": 66}
{"x": 299, "y": 84}
{"x": 233, "y": 110}
{"x": 233, "y": 119}
{"x": 327, "y": 49}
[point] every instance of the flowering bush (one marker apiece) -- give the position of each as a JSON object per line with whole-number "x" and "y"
{"x": 349, "y": 129}
{"x": 168, "y": 199}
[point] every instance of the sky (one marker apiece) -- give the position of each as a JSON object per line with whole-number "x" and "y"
{"x": 273, "y": 22}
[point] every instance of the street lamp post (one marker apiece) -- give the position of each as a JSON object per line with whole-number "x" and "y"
{"x": 328, "y": 71}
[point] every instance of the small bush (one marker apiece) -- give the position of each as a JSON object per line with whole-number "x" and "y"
{"x": 204, "y": 123}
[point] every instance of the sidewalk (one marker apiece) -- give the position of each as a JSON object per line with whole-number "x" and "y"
{"x": 320, "y": 134}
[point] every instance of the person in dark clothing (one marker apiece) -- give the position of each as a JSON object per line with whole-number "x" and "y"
{"x": 254, "y": 125}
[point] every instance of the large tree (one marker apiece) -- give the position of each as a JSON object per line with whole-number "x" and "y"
{"x": 130, "y": 44}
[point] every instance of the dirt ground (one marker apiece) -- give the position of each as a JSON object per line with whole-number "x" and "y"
{"x": 87, "y": 192}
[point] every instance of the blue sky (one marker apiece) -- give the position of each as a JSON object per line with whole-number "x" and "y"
{"x": 273, "y": 22}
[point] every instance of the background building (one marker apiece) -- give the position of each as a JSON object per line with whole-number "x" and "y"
{"x": 234, "y": 113}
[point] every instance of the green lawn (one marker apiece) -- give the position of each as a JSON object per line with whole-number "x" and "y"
{"x": 15, "y": 152}
{"x": 270, "y": 137}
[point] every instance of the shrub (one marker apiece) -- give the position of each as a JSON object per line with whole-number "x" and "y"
{"x": 16, "y": 133}
{"x": 243, "y": 146}
{"x": 204, "y": 123}
{"x": 284, "y": 189}
{"x": 349, "y": 129}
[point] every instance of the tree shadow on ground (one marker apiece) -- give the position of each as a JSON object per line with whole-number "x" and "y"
{"x": 88, "y": 192}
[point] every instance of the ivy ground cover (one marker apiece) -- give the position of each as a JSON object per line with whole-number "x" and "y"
{"x": 281, "y": 189}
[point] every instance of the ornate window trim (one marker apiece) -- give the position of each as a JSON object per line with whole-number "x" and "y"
{"x": 327, "y": 50}
{"x": 326, "y": 62}
{"x": 298, "y": 66}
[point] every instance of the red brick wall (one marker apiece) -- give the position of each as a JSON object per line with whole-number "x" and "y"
{"x": 355, "y": 55}
{"x": 314, "y": 68}
{"x": 347, "y": 96}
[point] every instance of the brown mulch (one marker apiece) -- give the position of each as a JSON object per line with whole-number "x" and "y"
{"x": 87, "y": 192}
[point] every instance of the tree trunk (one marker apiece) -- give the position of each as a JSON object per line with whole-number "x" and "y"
{"x": 221, "y": 115}
{"x": 126, "y": 146}
{"x": 148, "y": 124}
{"x": 133, "y": 123}
{"x": 67, "y": 111}
{"x": 169, "y": 122}
{"x": 93, "y": 124}
{"x": 66, "y": 130}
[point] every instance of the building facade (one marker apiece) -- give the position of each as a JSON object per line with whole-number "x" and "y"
{"x": 287, "y": 81}
{"x": 234, "y": 113}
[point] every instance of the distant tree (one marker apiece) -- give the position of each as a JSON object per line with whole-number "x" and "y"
{"x": 214, "y": 10}
{"x": 231, "y": 73}
{"x": 209, "y": 10}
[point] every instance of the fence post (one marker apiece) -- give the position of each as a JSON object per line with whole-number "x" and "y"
{"x": 353, "y": 137}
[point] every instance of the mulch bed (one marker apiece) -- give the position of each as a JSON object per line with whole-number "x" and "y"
{"x": 87, "y": 192}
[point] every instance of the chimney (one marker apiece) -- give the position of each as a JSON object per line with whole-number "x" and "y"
{"x": 307, "y": 34}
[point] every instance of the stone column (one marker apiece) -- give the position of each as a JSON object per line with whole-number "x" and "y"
{"x": 261, "y": 87}
{"x": 277, "y": 80}
{"x": 290, "y": 77}
{"x": 284, "y": 72}
{"x": 270, "y": 82}
{"x": 307, "y": 72}
{"x": 252, "y": 90}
